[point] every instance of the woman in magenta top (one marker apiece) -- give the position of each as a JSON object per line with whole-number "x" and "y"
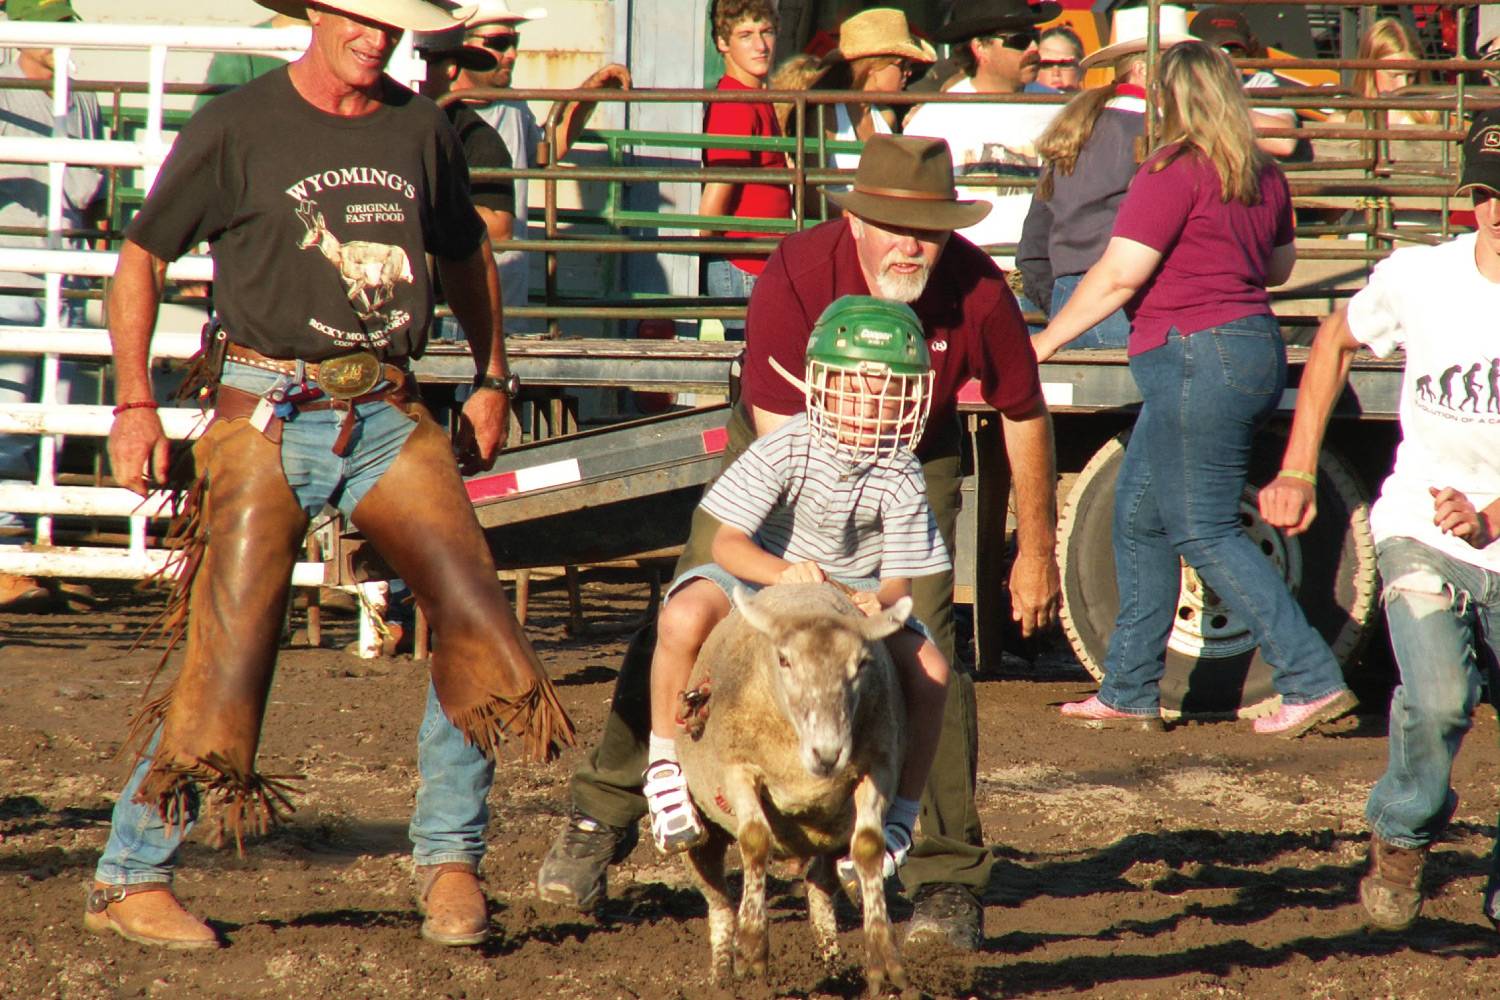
{"x": 1205, "y": 227}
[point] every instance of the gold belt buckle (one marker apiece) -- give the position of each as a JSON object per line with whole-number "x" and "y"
{"x": 349, "y": 375}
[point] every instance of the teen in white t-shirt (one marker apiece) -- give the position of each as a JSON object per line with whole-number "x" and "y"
{"x": 1435, "y": 522}
{"x": 1434, "y": 302}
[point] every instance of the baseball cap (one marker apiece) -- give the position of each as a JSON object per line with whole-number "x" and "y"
{"x": 1219, "y": 26}
{"x": 1482, "y": 153}
{"x": 41, "y": 10}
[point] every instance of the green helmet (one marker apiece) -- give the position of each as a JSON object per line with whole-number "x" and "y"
{"x": 869, "y": 378}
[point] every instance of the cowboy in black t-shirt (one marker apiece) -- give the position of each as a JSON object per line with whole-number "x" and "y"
{"x": 320, "y": 188}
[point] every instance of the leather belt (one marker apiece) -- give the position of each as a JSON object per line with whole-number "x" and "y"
{"x": 394, "y": 370}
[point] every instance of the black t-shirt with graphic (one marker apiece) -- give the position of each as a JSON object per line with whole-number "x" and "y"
{"x": 317, "y": 223}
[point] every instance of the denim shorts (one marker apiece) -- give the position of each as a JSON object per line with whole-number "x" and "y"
{"x": 316, "y": 475}
{"x": 727, "y": 581}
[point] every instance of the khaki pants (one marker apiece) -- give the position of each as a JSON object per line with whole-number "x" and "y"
{"x": 950, "y": 846}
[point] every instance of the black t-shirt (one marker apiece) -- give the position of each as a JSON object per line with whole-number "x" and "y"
{"x": 317, "y": 223}
{"x": 484, "y": 150}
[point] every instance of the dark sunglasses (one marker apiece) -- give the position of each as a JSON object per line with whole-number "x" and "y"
{"x": 500, "y": 43}
{"x": 1057, "y": 64}
{"x": 1020, "y": 41}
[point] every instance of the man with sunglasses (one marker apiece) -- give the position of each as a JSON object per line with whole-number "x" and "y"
{"x": 496, "y": 31}
{"x": 995, "y": 45}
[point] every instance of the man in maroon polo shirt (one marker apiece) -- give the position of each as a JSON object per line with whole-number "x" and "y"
{"x": 896, "y": 241}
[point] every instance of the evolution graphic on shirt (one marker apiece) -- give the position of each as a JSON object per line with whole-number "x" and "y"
{"x": 1458, "y": 388}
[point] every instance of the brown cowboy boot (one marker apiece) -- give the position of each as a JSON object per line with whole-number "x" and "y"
{"x": 251, "y": 529}
{"x": 21, "y": 593}
{"x": 1392, "y": 891}
{"x": 146, "y": 913}
{"x": 452, "y": 902}
{"x": 488, "y": 678}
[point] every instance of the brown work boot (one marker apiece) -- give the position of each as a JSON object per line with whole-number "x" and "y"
{"x": 1392, "y": 891}
{"x": 147, "y": 913}
{"x": 21, "y": 593}
{"x": 451, "y": 900}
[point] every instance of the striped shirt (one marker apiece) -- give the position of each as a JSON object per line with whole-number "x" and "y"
{"x": 801, "y": 503}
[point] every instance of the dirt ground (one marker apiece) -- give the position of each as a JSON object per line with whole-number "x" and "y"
{"x": 1203, "y": 863}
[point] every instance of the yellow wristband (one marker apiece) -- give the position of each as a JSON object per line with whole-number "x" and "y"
{"x": 1306, "y": 477}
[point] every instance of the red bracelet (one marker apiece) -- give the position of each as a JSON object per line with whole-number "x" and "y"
{"x": 144, "y": 404}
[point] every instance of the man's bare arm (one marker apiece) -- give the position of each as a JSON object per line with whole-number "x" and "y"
{"x": 472, "y": 286}
{"x": 1034, "y": 583}
{"x": 1289, "y": 502}
{"x": 138, "y": 447}
{"x": 500, "y": 225}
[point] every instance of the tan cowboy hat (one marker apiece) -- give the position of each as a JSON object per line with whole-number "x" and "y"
{"x": 499, "y": 12}
{"x": 879, "y": 31}
{"x": 1128, "y": 34}
{"x": 907, "y": 180}
{"x": 409, "y": 15}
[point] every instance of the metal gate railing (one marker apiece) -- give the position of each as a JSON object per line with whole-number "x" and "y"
{"x": 1365, "y": 181}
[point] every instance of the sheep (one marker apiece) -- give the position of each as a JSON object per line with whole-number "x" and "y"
{"x": 799, "y": 754}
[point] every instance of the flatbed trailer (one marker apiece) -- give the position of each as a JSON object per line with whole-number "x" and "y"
{"x": 630, "y": 488}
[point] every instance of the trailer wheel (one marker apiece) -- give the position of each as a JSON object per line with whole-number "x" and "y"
{"x": 1213, "y": 666}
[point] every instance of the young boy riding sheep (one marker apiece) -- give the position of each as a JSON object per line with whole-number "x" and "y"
{"x": 832, "y": 494}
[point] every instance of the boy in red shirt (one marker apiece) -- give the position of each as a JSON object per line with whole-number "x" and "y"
{"x": 745, "y": 32}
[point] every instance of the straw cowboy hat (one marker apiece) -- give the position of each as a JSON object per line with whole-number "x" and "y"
{"x": 879, "y": 31}
{"x": 498, "y": 12}
{"x": 409, "y": 15}
{"x": 1129, "y": 34}
{"x": 907, "y": 180}
{"x": 972, "y": 18}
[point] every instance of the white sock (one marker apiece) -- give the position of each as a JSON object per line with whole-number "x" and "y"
{"x": 662, "y": 748}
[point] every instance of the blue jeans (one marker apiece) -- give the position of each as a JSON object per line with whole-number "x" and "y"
{"x": 451, "y": 811}
{"x": 1444, "y": 618}
{"x": 726, "y": 281}
{"x": 1112, "y": 331}
{"x": 1178, "y": 497}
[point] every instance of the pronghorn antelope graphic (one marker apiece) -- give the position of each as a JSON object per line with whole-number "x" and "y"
{"x": 370, "y": 270}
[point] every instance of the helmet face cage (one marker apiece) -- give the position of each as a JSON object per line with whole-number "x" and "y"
{"x": 863, "y": 411}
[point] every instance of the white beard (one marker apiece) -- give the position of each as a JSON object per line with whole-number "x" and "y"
{"x": 902, "y": 287}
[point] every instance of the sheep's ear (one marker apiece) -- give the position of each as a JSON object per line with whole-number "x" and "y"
{"x": 888, "y": 622}
{"x": 758, "y": 617}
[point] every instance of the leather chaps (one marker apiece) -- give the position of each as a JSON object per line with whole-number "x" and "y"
{"x": 233, "y": 579}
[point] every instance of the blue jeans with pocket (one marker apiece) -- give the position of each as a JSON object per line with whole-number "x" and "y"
{"x": 451, "y": 810}
{"x": 1177, "y": 497}
{"x": 1444, "y": 619}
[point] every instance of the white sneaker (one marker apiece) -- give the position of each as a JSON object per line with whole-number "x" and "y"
{"x": 675, "y": 825}
{"x": 897, "y": 846}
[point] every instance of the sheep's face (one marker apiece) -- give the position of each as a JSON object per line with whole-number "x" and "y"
{"x": 820, "y": 659}
{"x": 817, "y": 673}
